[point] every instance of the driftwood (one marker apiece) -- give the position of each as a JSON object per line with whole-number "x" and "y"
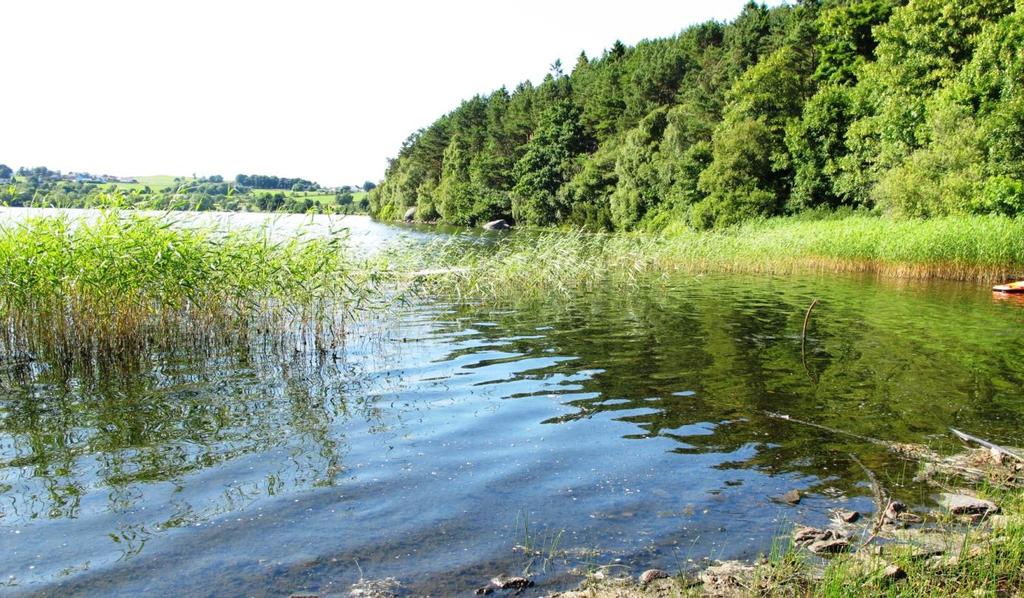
{"x": 930, "y": 461}
{"x": 912, "y": 452}
{"x": 803, "y": 333}
{"x": 785, "y": 417}
{"x": 986, "y": 444}
{"x": 803, "y": 341}
{"x": 882, "y": 501}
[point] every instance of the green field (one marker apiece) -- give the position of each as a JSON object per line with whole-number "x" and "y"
{"x": 155, "y": 182}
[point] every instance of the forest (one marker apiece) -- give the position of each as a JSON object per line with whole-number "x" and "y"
{"x": 904, "y": 109}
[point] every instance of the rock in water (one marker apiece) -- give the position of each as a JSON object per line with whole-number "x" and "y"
{"x": 791, "y": 498}
{"x": 409, "y": 214}
{"x": 845, "y": 516}
{"x": 510, "y": 582}
{"x": 964, "y": 504}
{"x": 650, "y": 575}
{"x": 376, "y": 588}
{"x": 498, "y": 224}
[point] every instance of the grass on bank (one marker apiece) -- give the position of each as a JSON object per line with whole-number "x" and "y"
{"x": 976, "y": 248}
{"x": 87, "y": 290}
{"x": 986, "y": 559}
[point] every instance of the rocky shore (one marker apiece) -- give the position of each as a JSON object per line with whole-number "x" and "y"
{"x": 972, "y": 545}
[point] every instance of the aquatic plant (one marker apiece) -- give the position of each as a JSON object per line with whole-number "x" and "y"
{"x": 86, "y": 290}
{"x": 532, "y": 262}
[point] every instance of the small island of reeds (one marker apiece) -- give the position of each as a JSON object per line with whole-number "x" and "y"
{"x": 93, "y": 289}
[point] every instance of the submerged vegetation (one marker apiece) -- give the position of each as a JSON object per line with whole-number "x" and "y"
{"x": 91, "y": 290}
{"x": 907, "y": 108}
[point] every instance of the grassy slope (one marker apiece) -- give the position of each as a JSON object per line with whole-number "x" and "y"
{"x": 155, "y": 182}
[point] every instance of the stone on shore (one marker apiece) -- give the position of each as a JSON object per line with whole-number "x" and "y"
{"x": 893, "y": 573}
{"x": 821, "y": 541}
{"x": 845, "y": 516}
{"x": 650, "y": 575}
{"x": 510, "y": 582}
{"x": 965, "y": 504}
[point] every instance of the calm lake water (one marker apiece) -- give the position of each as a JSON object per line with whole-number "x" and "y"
{"x": 607, "y": 429}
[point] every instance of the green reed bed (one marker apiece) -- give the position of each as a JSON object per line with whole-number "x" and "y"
{"x": 954, "y": 247}
{"x": 86, "y": 290}
{"x": 528, "y": 262}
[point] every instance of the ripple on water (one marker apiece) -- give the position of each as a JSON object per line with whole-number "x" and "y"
{"x": 608, "y": 428}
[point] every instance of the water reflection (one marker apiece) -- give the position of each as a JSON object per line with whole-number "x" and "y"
{"x": 633, "y": 425}
{"x": 73, "y": 448}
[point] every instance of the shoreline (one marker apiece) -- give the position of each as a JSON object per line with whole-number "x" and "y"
{"x": 974, "y": 544}
{"x": 535, "y": 262}
{"x": 982, "y": 249}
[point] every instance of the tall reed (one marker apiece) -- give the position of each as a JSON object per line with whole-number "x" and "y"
{"x": 87, "y": 290}
{"x": 975, "y": 248}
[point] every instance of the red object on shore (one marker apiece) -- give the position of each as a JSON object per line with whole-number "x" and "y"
{"x": 1010, "y": 287}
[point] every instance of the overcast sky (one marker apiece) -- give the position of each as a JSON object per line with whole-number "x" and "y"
{"x": 321, "y": 90}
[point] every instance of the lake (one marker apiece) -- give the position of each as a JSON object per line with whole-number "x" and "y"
{"x": 452, "y": 443}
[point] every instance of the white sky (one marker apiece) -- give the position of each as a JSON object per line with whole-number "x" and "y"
{"x": 320, "y": 90}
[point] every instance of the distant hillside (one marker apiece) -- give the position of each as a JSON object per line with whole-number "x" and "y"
{"x": 41, "y": 186}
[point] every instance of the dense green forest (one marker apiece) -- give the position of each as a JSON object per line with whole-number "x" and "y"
{"x": 902, "y": 108}
{"x": 42, "y": 187}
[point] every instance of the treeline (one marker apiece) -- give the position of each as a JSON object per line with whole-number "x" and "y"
{"x": 31, "y": 189}
{"x": 907, "y": 108}
{"x": 262, "y": 181}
